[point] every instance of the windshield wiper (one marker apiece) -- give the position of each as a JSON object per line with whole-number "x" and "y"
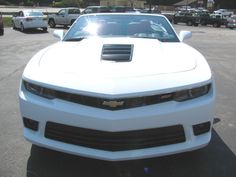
{"x": 76, "y": 39}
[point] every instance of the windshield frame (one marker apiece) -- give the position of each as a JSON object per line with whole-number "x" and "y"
{"x": 90, "y": 17}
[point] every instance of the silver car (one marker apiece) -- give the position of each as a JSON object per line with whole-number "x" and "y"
{"x": 29, "y": 19}
{"x": 232, "y": 22}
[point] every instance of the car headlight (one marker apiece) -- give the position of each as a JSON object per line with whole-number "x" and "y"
{"x": 40, "y": 91}
{"x": 191, "y": 93}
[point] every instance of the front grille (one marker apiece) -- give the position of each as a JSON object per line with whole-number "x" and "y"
{"x": 115, "y": 141}
{"x": 114, "y": 104}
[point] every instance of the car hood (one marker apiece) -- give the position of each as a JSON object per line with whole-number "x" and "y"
{"x": 78, "y": 67}
{"x": 150, "y": 57}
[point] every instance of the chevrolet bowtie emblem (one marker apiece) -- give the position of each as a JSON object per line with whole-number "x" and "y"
{"x": 113, "y": 104}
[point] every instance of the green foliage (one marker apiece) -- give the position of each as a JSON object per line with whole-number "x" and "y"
{"x": 7, "y": 21}
{"x": 58, "y": 4}
{"x": 163, "y": 2}
{"x": 68, "y": 3}
{"x": 29, "y": 3}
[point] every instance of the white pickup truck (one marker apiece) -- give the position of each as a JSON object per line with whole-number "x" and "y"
{"x": 224, "y": 12}
{"x": 65, "y": 17}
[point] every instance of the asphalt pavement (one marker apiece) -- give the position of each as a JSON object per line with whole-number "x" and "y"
{"x": 18, "y": 158}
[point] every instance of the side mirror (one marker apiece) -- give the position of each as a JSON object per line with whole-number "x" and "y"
{"x": 185, "y": 35}
{"x": 58, "y": 34}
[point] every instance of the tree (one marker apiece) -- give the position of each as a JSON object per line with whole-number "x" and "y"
{"x": 72, "y": 2}
{"x": 163, "y": 2}
{"x": 228, "y": 4}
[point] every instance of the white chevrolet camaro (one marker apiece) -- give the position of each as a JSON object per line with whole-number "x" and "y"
{"x": 118, "y": 87}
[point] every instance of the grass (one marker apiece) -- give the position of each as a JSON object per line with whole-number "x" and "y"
{"x": 7, "y": 21}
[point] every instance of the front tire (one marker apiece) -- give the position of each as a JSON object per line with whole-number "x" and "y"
{"x": 216, "y": 25}
{"x": 51, "y": 23}
{"x": 189, "y": 23}
{"x": 203, "y": 23}
{"x": 72, "y": 21}
{"x": 13, "y": 25}
{"x": 174, "y": 21}
{"x": 1, "y": 32}
{"x": 45, "y": 30}
{"x": 22, "y": 28}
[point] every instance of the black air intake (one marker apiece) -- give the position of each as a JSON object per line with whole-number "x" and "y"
{"x": 117, "y": 52}
{"x": 115, "y": 141}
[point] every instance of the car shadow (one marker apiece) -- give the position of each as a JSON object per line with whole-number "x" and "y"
{"x": 214, "y": 160}
{"x": 61, "y": 27}
{"x": 32, "y": 31}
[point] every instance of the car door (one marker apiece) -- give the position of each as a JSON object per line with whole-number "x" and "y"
{"x": 18, "y": 18}
{"x": 69, "y": 16}
{"x": 60, "y": 18}
{"x": 72, "y": 15}
{"x": 181, "y": 17}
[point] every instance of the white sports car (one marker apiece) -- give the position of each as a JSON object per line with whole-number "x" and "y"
{"x": 118, "y": 87}
{"x": 28, "y": 19}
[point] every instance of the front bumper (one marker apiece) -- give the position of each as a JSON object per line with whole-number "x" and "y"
{"x": 231, "y": 25}
{"x": 171, "y": 113}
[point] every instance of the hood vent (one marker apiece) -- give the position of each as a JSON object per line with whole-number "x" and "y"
{"x": 117, "y": 52}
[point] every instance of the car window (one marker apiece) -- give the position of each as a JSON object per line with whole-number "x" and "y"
{"x": 34, "y": 14}
{"x": 74, "y": 11}
{"x": 21, "y": 14}
{"x": 179, "y": 14}
{"x": 103, "y": 9}
{"x": 62, "y": 12}
{"x": 87, "y": 11}
{"x": 135, "y": 26}
{"x": 95, "y": 10}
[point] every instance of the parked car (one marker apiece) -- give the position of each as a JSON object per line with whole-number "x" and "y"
{"x": 65, "y": 17}
{"x": 216, "y": 20}
{"x": 153, "y": 11}
{"x": 186, "y": 17}
{"x": 96, "y": 9}
{"x": 183, "y": 8}
{"x": 1, "y": 25}
{"x": 122, "y": 9}
{"x": 224, "y": 12}
{"x": 29, "y": 19}
{"x": 109, "y": 9}
{"x": 118, "y": 87}
{"x": 231, "y": 23}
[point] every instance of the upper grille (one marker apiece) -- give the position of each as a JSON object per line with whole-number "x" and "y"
{"x": 117, "y": 52}
{"x": 114, "y": 104}
{"x": 115, "y": 141}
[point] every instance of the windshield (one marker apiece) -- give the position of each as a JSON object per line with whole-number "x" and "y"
{"x": 118, "y": 25}
{"x": 34, "y": 14}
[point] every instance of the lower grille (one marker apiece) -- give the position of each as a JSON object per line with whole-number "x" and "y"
{"x": 115, "y": 141}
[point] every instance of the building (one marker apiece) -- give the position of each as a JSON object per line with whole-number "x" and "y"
{"x": 129, "y": 3}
